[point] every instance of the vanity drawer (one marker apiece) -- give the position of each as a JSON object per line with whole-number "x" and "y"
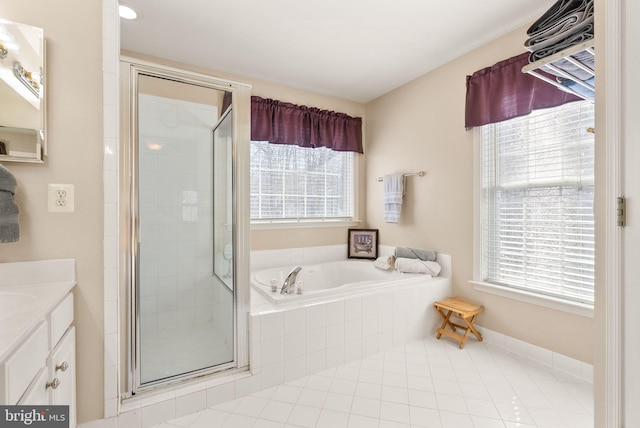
{"x": 60, "y": 319}
{"x": 17, "y": 372}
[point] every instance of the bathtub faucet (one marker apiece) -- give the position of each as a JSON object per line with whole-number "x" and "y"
{"x": 289, "y": 284}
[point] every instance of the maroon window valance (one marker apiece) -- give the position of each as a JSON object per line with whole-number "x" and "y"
{"x": 503, "y": 91}
{"x": 285, "y": 123}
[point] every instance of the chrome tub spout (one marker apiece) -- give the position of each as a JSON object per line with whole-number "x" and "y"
{"x": 289, "y": 284}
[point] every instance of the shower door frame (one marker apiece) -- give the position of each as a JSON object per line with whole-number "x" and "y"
{"x": 131, "y": 69}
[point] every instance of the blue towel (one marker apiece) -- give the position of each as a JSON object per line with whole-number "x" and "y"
{"x": 393, "y": 191}
{"x": 9, "y": 230}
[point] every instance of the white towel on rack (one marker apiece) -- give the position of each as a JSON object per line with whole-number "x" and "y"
{"x": 393, "y": 192}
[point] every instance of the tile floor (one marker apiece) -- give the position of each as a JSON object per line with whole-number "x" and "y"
{"x": 426, "y": 383}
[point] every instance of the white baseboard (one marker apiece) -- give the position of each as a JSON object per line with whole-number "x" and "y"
{"x": 547, "y": 358}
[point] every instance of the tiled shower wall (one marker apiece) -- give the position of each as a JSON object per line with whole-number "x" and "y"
{"x": 110, "y": 60}
{"x": 175, "y": 203}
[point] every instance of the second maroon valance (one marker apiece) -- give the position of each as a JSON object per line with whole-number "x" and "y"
{"x": 503, "y": 91}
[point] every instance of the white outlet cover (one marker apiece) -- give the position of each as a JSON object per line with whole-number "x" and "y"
{"x": 60, "y": 198}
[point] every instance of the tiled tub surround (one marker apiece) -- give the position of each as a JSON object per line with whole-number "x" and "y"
{"x": 291, "y": 340}
{"x": 306, "y": 255}
{"x": 288, "y": 344}
{"x": 298, "y": 341}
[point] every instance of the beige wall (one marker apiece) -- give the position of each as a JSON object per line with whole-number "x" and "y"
{"x": 73, "y": 32}
{"x": 420, "y": 126}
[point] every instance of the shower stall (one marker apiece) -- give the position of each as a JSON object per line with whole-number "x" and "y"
{"x": 185, "y": 229}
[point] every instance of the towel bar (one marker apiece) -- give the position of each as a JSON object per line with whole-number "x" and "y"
{"x": 419, "y": 174}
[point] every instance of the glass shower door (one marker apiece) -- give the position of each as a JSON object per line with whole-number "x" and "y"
{"x": 184, "y": 274}
{"x": 223, "y": 201}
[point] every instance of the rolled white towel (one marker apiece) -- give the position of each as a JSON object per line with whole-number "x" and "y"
{"x": 385, "y": 263}
{"x": 382, "y": 263}
{"x": 417, "y": 266}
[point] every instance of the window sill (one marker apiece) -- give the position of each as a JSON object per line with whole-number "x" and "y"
{"x": 301, "y": 224}
{"x": 579, "y": 309}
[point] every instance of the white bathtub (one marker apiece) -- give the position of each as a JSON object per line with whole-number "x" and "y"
{"x": 343, "y": 278}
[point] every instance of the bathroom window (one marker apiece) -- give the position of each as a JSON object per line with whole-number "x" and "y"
{"x": 536, "y": 204}
{"x": 292, "y": 183}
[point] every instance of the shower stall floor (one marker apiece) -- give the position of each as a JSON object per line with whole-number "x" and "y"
{"x": 178, "y": 350}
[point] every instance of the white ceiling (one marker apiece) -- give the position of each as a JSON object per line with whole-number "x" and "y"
{"x": 353, "y": 49}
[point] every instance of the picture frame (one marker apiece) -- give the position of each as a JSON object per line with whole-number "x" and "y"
{"x": 363, "y": 244}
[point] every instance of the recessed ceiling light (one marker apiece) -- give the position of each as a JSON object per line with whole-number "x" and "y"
{"x": 126, "y": 12}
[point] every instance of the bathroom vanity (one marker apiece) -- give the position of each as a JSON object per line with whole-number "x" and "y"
{"x": 37, "y": 336}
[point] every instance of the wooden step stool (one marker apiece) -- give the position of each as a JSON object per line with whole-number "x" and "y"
{"x": 463, "y": 309}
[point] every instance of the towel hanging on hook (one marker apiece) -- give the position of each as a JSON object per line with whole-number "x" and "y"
{"x": 9, "y": 229}
{"x": 393, "y": 193}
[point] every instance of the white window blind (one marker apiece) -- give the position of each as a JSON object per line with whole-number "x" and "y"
{"x": 298, "y": 183}
{"x": 537, "y": 202}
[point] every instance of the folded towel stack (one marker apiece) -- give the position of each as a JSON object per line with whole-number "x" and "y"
{"x": 567, "y": 23}
{"x": 393, "y": 192}
{"x": 9, "y": 230}
{"x": 412, "y": 253}
{"x": 417, "y": 266}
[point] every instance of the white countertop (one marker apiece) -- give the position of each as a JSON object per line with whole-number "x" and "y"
{"x": 28, "y": 291}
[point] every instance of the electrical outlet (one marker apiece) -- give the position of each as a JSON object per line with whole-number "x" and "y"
{"x": 60, "y": 198}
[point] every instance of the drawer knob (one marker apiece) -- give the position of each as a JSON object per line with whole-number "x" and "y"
{"x": 64, "y": 366}
{"x": 55, "y": 383}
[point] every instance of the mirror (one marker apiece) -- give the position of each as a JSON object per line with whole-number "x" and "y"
{"x": 22, "y": 89}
